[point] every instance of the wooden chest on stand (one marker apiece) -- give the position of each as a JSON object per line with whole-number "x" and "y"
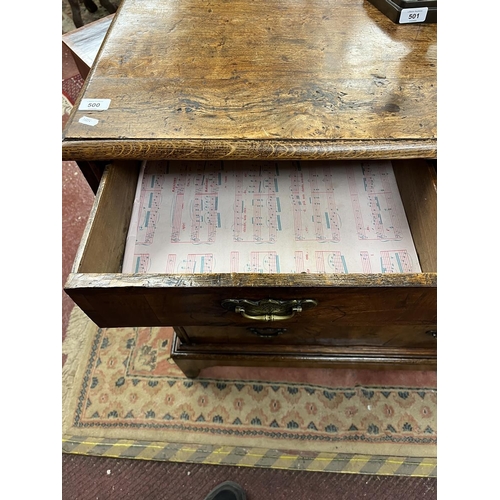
{"x": 330, "y": 92}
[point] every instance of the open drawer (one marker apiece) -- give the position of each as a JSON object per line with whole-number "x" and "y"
{"x": 379, "y": 309}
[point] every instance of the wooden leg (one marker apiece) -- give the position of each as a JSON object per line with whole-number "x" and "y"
{"x": 75, "y": 13}
{"x": 190, "y": 368}
{"x": 90, "y": 5}
{"x": 108, "y": 6}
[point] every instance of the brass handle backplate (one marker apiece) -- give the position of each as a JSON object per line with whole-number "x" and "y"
{"x": 268, "y": 309}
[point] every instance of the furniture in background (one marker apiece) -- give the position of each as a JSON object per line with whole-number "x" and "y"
{"x": 90, "y": 6}
{"x": 85, "y": 42}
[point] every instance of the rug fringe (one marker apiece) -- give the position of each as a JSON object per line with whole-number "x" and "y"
{"x": 73, "y": 345}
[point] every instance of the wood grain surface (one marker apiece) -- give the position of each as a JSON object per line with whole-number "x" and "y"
{"x": 251, "y": 76}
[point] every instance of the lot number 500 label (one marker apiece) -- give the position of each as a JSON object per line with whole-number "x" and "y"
{"x": 94, "y": 104}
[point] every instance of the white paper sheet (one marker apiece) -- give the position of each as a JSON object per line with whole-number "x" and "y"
{"x": 269, "y": 217}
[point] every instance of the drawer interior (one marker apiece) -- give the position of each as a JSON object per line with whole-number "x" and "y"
{"x": 103, "y": 245}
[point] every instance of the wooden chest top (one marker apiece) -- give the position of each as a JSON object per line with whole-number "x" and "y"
{"x": 253, "y": 79}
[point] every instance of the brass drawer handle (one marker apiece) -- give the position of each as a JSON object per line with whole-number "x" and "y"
{"x": 268, "y": 309}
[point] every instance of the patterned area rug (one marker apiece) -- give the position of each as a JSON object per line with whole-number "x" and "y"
{"x": 70, "y": 89}
{"x": 124, "y": 397}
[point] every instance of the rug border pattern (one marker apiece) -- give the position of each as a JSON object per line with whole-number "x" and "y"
{"x": 86, "y": 380}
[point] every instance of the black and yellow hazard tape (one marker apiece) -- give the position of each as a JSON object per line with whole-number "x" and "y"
{"x": 251, "y": 457}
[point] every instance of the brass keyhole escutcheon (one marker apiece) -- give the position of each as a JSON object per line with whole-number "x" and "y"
{"x": 267, "y": 332}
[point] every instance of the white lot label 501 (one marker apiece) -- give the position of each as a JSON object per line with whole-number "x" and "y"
{"x": 413, "y": 15}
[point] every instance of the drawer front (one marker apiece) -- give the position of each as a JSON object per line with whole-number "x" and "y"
{"x": 311, "y": 334}
{"x": 118, "y": 300}
{"x": 347, "y": 306}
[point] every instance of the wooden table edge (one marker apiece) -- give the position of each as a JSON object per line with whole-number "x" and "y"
{"x": 246, "y": 149}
